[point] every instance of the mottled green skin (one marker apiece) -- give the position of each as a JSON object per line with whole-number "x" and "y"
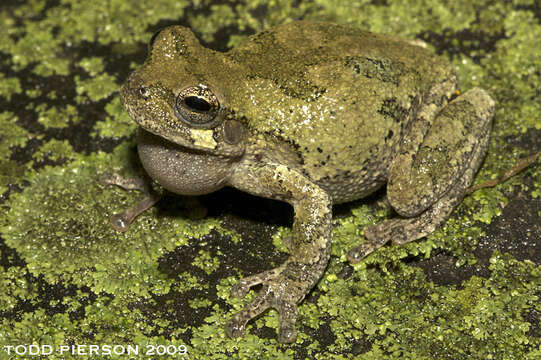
{"x": 312, "y": 114}
{"x": 385, "y": 308}
{"x": 307, "y": 85}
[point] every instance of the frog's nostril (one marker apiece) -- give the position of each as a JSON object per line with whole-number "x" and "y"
{"x": 143, "y": 91}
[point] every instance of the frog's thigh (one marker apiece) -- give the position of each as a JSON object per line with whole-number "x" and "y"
{"x": 453, "y": 144}
{"x": 474, "y": 107}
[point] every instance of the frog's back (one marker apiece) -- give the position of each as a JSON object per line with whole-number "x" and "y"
{"x": 340, "y": 96}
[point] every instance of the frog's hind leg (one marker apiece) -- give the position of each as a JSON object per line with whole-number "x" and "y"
{"x": 427, "y": 183}
{"x": 403, "y": 230}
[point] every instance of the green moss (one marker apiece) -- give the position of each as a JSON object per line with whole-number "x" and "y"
{"x": 72, "y": 22}
{"x": 199, "y": 303}
{"x": 186, "y": 282}
{"x": 57, "y": 117}
{"x": 9, "y": 86}
{"x": 405, "y": 18}
{"x": 96, "y": 88}
{"x": 59, "y": 225}
{"x": 92, "y": 65}
{"x": 350, "y": 229}
{"x": 244, "y": 17}
{"x": 14, "y": 285}
{"x": 117, "y": 123}
{"x": 457, "y": 236}
{"x": 401, "y": 315}
{"x": 536, "y": 170}
{"x": 12, "y": 134}
{"x": 11, "y": 172}
{"x": 281, "y": 238}
{"x": 106, "y": 320}
{"x": 385, "y": 308}
{"x": 206, "y": 262}
{"x": 55, "y": 150}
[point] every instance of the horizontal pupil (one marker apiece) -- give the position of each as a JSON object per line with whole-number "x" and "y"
{"x": 197, "y": 103}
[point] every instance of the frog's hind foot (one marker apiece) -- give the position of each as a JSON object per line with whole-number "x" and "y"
{"x": 403, "y": 230}
{"x": 398, "y": 231}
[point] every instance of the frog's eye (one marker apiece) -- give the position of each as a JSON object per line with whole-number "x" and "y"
{"x": 198, "y": 107}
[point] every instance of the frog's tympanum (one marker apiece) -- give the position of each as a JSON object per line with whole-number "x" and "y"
{"x": 313, "y": 114}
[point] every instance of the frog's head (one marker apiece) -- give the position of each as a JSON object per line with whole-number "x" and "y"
{"x": 175, "y": 94}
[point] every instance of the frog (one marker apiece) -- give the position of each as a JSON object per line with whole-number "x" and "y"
{"x": 313, "y": 114}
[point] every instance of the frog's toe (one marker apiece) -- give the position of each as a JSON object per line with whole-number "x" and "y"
{"x": 288, "y": 318}
{"x": 241, "y": 289}
{"x": 273, "y": 294}
{"x": 377, "y": 236}
{"x": 371, "y": 244}
{"x": 235, "y": 328}
{"x": 120, "y": 222}
{"x": 137, "y": 183}
{"x": 358, "y": 253}
{"x": 287, "y": 335}
{"x": 107, "y": 179}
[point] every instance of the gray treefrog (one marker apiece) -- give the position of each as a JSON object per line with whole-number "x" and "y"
{"x": 313, "y": 114}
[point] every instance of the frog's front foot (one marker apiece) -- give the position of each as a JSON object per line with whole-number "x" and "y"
{"x": 280, "y": 291}
{"x": 122, "y": 221}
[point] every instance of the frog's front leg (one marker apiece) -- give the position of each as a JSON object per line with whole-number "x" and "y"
{"x": 426, "y": 182}
{"x": 286, "y": 286}
{"x": 122, "y": 221}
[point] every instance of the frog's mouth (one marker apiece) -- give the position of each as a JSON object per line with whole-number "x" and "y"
{"x": 206, "y": 141}
{"x": 194, "y": 139}
{"x": 158, "y": 119}
{"x": 144, "y": 134}
{"x": 152, "y": 108}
